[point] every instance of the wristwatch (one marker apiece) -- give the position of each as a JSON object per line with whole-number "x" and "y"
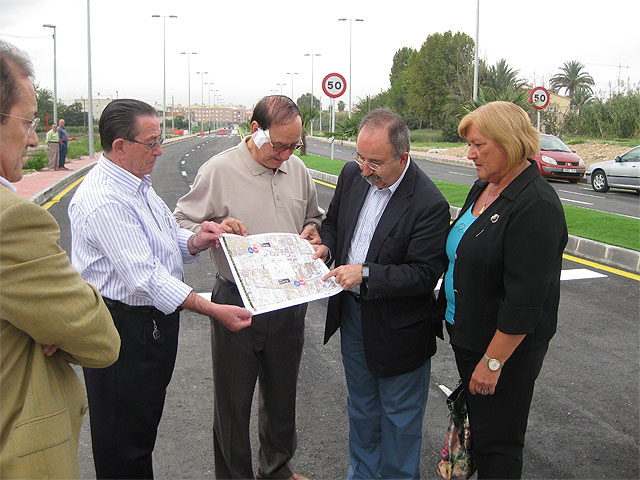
{"x": 493, "y": 363}
{"x": 365, "y": 272}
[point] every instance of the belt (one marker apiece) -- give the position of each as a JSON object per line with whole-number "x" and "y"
{"x": 144, "y": 311}
{"x": 356, "y": 296}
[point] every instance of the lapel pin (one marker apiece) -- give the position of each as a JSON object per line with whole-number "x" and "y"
{"x": 494, "y": 218}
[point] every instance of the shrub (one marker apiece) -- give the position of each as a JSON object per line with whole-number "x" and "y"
{"x": 36, "y": 161}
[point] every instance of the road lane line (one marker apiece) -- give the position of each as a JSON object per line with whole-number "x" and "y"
{"x": 599, "y": 266}
{"x": 582, "y": 194}
{"x": 579, "y": 274}
{"x": 58, "y": 197}
{"x": 575, "y": 201}
{"x": 463, "y": 174}
{"x": 446, "y": 390}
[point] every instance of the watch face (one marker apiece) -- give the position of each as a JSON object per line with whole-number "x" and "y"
{"x": 494, "y": 364}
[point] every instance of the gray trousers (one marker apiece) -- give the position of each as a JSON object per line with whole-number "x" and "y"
{"x": 54, "y": 155}
{"x": 269, "y": 351}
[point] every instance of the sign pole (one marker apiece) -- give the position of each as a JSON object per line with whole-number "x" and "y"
{"x": 333, "y": 124}
{"x": 538, "y": 120}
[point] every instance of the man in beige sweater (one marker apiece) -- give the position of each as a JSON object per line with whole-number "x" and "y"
{"x": 256, "y": 187}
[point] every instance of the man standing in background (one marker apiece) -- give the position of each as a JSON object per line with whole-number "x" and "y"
{"x": 53, "y": 143}
{"x": 64, "y": 138}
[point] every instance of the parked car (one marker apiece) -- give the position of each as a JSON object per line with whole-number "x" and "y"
{"x": 556, "y": 160}
{"x": 623, "y": 172}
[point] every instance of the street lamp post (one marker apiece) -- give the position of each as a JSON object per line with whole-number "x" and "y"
{"x": 55, "y": 75}
{"x": 164, "y": 70}
{"x": 311, "y": 101}
{"x": 350, "y": 25}
{"x": 92, "y": 150}
{"x": 475, "y": 58}
{"x": 188, "y": 54}
{"x": 292, "y": 74}
{"x": 202, "y": 74}
{"x": 210, "y": 111}
{"x": 281, "y": 85}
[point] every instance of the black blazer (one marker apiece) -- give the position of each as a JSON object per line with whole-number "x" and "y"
{"x": 508, "y": 264}
{"x": 405, "y": 263}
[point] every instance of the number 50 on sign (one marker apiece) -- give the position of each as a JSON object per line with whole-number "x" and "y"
{"x": 539, "y": 98}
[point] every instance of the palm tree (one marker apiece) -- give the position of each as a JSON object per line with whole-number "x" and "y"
{"x": 572, "y": 78}
{"x": 502, "y": 77}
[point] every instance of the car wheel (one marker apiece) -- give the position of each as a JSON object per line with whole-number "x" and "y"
{"x": 599, "y": 181}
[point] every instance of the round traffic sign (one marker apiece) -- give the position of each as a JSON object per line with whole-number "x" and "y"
{"x": 539, "y": 98}
{"x": 334, "y": 85}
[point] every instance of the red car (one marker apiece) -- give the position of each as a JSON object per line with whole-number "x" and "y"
{"x": 556, "y": 160}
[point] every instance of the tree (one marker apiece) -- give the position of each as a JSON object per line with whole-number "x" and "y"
{"x": 44, "y": 98}
{"x": 572, "y": 78}
{"x": 341, "y": 106}
{"x": 72, "y": 114}
{"x": 397, "y": 93}
{"x": 502, "y": 77}
{"x": 433, "y": 73}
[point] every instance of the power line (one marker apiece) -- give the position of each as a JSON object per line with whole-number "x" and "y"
{"x": 20, "y": 36}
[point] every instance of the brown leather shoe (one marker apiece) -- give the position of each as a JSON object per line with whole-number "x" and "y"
{"x": 298, "y": 476}
{"x": 295, "y": 476}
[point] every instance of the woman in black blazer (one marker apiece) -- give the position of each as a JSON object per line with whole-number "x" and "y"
{"x": 502, "y": 287}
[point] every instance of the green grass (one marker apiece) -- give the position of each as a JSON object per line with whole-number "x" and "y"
{"x": 599, "y": 226}
{"x": 76, "y": 149}
{"x": 322, "y": 164}
{"x": 625, "y": 142}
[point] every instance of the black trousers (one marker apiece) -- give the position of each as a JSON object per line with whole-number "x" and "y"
{"x": 499, "y": 422}
{"x": 126, "y": 399}
{"x": 268, "y": 351}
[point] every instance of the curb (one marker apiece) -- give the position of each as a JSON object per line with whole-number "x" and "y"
{"x": 46, "y": 194}
{"x": 583, "y": 247}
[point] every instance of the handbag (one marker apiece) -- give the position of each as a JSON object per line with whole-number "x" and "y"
{"x": 455, "y": 459}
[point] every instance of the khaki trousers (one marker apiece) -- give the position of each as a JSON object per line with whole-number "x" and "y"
{"x": 54, "y": 155}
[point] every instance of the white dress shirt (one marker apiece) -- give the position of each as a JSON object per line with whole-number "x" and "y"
{"x": 125, "y": 240}
{"x": 370, "y": 214}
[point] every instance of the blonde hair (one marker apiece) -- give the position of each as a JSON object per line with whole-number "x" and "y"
{"x": 506, "y": 124}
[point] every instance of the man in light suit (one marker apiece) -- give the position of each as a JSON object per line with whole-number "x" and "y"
{"x": 49, "y": 317}
{"x": 385, "y": 229}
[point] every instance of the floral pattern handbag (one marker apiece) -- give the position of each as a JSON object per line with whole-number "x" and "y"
{"x": 455, "y": 459}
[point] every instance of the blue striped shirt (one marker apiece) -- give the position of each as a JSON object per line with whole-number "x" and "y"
{"x": 374, "y": 204}
{"x": 125, "y": 240}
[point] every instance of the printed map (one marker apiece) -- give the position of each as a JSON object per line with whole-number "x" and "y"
{"x": 276, "y": 270}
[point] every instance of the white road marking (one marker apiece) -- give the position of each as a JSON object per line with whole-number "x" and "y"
{"x": 572, "y": 274}
{"x": 463, "y": 174}
{"x": 184, "y": 174}
{"x": 575, "y": 201}
{"x": 186, "y": 154}
{"x": 581, "y": 194}
{"x": 205, "y": 295}
{"x": 182, "y": 162}
{"x": 579, "y": 274}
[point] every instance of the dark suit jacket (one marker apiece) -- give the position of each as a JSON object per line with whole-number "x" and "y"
{"x": 508, "y": 264}
{"x": 405, "y": 263}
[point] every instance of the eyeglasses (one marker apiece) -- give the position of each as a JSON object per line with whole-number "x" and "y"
{"x": 151, "y": 145}
{"x": 360, "y": 160}
{"x": 281, "y": 147}
{"x": 33, "y": 124}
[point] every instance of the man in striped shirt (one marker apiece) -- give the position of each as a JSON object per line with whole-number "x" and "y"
{"x": 126, "y": 242}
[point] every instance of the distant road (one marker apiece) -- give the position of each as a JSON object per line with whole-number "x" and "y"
{"x": 621, "y": 202}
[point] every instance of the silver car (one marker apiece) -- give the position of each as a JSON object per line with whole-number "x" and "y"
{"x": 623, "y": 172}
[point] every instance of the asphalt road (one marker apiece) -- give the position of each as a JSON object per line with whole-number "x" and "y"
{"x": 584, "y": 421}
{"x": 623, "y": 202}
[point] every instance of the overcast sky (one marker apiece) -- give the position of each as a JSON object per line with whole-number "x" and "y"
{"x": 247, "y": 51}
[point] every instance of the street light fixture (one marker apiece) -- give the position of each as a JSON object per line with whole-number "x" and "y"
{"x": 292, "y": 74}
{"x": 164, "y": 70}
{"x": 351, "y": 20}
{"x": 281, "y": 85}
{"x": 202, "y": 74}
{"x": 311, "y": 101}
{"x": 188, "y": 54}
{"x": 55, "y": 75}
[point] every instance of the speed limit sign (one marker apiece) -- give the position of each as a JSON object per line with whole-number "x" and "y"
{"x": 334, "y": 85}
{"x": 539, "y": 98}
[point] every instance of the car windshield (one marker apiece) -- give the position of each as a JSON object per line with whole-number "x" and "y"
{"x": 553, "y": 144}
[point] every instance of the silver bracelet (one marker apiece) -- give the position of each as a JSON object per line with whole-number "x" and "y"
{"x": 193, "y": 244}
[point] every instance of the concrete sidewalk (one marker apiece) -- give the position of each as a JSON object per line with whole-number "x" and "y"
{"x": 40, "y": 187}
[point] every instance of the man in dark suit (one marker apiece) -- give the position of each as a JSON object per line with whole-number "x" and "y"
{"x": 385, "y": 229}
